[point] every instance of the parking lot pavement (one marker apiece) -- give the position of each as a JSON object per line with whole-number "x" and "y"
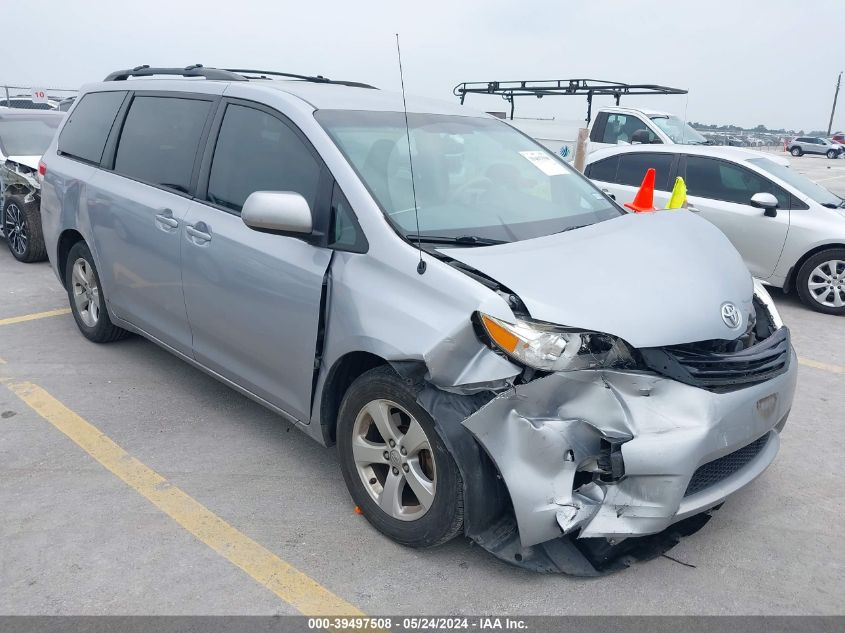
{"x": 85, "y": 535}
{"x": 826, "y": 172}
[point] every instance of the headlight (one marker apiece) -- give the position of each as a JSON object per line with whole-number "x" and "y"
{"x": 766, "y": 299}
{"x": 550, "y": 347}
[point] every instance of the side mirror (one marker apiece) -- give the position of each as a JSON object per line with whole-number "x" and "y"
{"x": 277, "y": 211}
{"x": 641, "y": 136}
{"x": 767, "y": 202}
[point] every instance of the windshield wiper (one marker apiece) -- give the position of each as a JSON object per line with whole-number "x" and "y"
{"x": 832, "y": 205}
{"x": 572, "y": 228}
{"x": 463, "y": 240}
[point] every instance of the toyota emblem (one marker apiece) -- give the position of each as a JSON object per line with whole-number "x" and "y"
{"x": 731, "y": 315}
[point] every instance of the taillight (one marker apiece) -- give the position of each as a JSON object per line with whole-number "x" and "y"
{"x": 42, "y": 170}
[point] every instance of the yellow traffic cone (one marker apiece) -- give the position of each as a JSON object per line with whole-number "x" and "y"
{"x": 679, "y": 194}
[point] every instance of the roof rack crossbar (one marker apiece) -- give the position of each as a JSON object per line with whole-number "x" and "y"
{"x": 540, "y": 88}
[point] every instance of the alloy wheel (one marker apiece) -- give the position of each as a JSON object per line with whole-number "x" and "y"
{"x": 15, "y": 229}
{"x": 827, "y": 283}
{"x": 86, "y": 294}
{"x": 394, "y": 459}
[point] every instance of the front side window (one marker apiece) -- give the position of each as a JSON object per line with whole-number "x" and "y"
{"x": 88, "y": 126}
{"x": 255, "y": 151}
{"x": 679, "y": 131}
{"x": 160, "y": 139}
{"x": 621, "y": 128}
{"x": 720, "y": 180}
{"x": 473, "y": 176}
{"x": 633, "y": 168}
{"x": 29, "y": 135}
{"x": 803, "y": 184}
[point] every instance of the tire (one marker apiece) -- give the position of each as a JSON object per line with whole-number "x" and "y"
{"x": 832, "y": 154}
{"x": 406, "y": 522}
{"x": 827, "y": 271}
{"x": 796, "y": 151}
{"x": 22, "y": 228}
{"x": 83, "y": 289}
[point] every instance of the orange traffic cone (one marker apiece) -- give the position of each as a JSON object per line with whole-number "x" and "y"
{"x": 644, "y": 200}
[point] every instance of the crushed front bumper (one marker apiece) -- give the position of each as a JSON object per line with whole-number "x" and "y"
{"x": 545, "y": 435}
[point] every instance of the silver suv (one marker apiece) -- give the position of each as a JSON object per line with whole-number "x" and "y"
{"x": 815, "y": 145}
{"x": 428, "y": 290}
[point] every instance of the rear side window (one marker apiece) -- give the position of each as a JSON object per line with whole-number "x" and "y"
{"x": 160, "y": 139}
{"x": 604, "y": 170}
{"x": 633, "y": 167}
{"x": 255, "y": 151}
{"x": 85, "y": 133}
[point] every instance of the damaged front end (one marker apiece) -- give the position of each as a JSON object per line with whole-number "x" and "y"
{"x": 16, "y": 178}
{"x": 610, "y": 454}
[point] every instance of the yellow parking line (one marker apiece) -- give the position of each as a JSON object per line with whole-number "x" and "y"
{"x": 33, "y": 317}
{"x": 834, "y": 369}
{"x": 280, "y": 577}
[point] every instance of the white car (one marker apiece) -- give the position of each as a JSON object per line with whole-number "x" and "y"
{"x": 789, "y": 230}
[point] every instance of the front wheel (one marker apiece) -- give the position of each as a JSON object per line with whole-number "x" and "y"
{"x": 795, "y": 151}
{"x": 85, "y": 294}
{"x": 821, "y": 281}
{"x": 22, "y": 228}
{"x": 396, "y": 467}
{"x": 832, "y": 154}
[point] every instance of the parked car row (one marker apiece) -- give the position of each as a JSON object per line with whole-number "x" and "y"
{"x": 422, "y": 286}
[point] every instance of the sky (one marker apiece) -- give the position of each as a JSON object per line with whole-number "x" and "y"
{"x": 745, "y": 62}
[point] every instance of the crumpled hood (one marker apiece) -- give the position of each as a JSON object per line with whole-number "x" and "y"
{"x": 29, "y": 161}
{"x": 653, "y": 279}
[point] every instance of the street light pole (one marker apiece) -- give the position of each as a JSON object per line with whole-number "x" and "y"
{"x": 833, "y": 109}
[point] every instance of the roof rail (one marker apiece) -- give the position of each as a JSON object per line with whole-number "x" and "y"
{"x": 225, "y": 74}
{"x": 196, "y": 70}
{"x": 540, "y": 88}
{"x": 269, "y": 74}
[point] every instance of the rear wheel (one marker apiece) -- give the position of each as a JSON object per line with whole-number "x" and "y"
{"x": 22, "y": 228}
{"x": 396, "y": 467}
{"x": 796, "y": 151}
{"x": 85, "y": 294}
{"x": 832, "y": 153}
{"x": 821, "y": 281}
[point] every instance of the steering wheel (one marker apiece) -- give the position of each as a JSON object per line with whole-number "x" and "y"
{"x": 480, "y": 185}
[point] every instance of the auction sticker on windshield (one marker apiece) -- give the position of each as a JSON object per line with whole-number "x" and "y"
{"x": 544, "y": 163}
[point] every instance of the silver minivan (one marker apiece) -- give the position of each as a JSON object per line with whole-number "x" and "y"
{"x": 497, "y": 349}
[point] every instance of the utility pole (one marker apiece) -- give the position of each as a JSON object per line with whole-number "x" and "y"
{"x": 833, "y": 109}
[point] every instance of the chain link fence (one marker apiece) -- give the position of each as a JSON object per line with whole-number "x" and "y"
{"x": 36, "y": 97}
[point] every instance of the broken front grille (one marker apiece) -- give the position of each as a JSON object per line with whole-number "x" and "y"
{"x": 713, "y": 472}
{"x": 719, "y": 370}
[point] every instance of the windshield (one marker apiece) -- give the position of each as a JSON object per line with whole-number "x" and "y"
{"x": 30, "y": 136}
{"x": 799, "y": 182}
{"x": 474, "y": 177}
{"x": 678, "y": 130}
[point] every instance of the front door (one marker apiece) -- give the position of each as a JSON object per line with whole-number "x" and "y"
{"x": 720, "y": 191}
{"x": 253, "y": 298}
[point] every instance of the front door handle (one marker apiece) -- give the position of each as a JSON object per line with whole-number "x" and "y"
{"x": 198, "y": 235}
{"x": 165, "y": 218}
